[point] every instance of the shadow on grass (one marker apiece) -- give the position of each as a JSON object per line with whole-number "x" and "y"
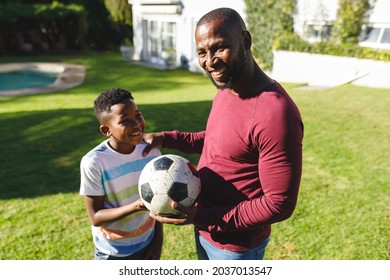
{"x": 41, "y": 150}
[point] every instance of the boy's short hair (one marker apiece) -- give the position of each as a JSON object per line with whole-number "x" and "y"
{"x": 108, "y": 98}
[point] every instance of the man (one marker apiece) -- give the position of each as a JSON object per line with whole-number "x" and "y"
{"x": 251, "y": 151}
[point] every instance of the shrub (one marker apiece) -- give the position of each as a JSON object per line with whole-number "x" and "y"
{"x": 292, "y": 42}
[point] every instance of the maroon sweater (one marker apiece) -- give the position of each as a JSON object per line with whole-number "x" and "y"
{"x": 250, "y": 166}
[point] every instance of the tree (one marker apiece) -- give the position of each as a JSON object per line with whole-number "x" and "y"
{"x": 100, "y": 31}
{"x": 267, "y": 20}
{"x": 40, "y": 26}
{"x": 83, "y": 23}
{"x": 120, "y": 11}
{"x": 350, "y": 18}
{"x": 121, "y": 14}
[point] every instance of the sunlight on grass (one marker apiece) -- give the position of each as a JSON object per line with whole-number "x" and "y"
{"x": 48, "y": 227}
{"x": 46, "y": 128}
{"x": 342, "y": 210}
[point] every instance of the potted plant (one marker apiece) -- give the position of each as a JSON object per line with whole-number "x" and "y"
{"x": 126, "y": 49}
{"x": 169, "y": 56}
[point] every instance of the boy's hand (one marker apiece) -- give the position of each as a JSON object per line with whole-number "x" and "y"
{"x": 140, "y": 205}
{"x": 154, "y": 140}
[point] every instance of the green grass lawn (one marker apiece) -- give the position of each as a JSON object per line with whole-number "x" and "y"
{"x": 343, "y": 208}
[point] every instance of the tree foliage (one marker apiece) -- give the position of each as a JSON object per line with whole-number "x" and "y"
{"x": 120, "y": 11}
{"x": 267, "y": 20}
{"x": 14, "y": 11}
{"x": 100, "y": 27}
{"x": 350, "y": 17}
{"x": 100, "y": 31}
{"x": 121, "y": 14}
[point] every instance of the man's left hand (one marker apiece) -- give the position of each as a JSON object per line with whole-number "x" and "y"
{"x": 185, "y": 217}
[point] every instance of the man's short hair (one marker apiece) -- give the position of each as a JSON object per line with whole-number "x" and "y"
{"x": 229, "y": 15}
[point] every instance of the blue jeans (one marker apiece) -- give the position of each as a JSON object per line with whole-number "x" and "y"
{"x": 206, "y": 251}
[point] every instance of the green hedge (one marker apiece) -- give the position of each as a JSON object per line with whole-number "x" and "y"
{"x": 12, "y": 12}
{"x": 267, "y": 19}
{"x": 350, "y": 18}
{"x": 292, "y": 42}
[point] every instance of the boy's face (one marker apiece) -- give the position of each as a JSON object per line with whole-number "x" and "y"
{"x": 124, "y": 125}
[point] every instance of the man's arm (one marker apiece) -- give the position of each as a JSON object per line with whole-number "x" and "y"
{"x": 187, "y": 142}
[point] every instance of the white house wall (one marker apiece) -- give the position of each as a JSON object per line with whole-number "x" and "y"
{"x": 325, "y": 71}
{"x": 381, "y": 12}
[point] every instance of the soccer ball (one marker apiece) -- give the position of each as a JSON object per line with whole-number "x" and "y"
{"x": 165, "y": 179}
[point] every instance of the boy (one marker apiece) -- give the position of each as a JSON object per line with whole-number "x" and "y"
{"x": 121, "y": 226}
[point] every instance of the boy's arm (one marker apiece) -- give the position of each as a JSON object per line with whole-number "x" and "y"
{"x": 99, "y": 216}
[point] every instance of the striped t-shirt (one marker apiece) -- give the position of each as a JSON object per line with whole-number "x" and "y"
{"x": 105, "y": 172}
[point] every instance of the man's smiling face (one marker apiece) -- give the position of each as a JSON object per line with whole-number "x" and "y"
{"x": 220, "y": 53}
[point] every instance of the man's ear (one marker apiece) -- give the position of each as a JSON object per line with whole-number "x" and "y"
{"x": 247, "y": 40}
{"x": 105, "y": 130}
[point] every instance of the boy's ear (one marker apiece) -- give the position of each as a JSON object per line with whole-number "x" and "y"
{"x": 105, "y": 130}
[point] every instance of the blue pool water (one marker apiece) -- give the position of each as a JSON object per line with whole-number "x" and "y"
{"x": 26, "y": 78}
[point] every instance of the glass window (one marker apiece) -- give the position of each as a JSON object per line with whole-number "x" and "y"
{"x": 386, "y": 36}
{"x": 372, "y": 34}
{"x": 168, "y": 36}
{"x": 154, "y": 38}
{"x": 161, "y": 40}
{"x": 318, "y": 32}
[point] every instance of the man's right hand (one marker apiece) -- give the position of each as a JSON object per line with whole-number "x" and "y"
{"x": 154, "y": 140}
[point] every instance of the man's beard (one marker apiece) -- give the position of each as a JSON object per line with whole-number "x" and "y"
{"x": 236, "y": 72}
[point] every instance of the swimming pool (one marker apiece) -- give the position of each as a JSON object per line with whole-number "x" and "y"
{"x": 31, "y": 78}
{"x": 26, "y": 78}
